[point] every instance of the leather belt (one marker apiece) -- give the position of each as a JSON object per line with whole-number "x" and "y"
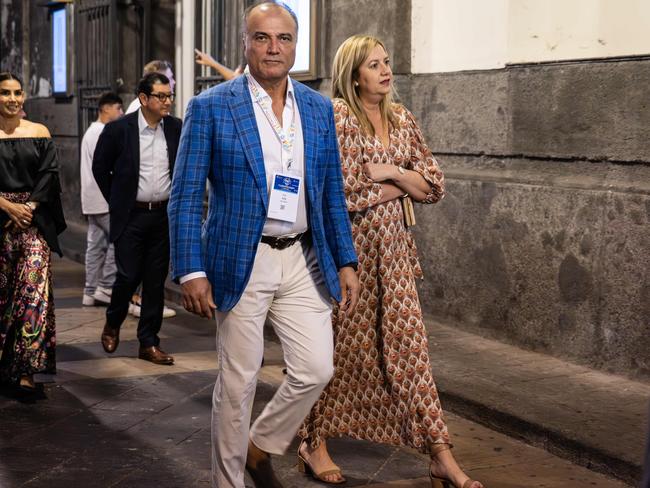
{"x": 283, "y": 242}
{"x": 151, "y": 205}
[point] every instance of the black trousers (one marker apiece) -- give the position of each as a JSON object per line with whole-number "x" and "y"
{"x": 141, "y": 255}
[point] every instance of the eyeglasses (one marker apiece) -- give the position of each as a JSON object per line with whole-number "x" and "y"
{"x": 163, "y": 97}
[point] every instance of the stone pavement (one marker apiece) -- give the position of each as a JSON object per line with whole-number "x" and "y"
{"x": 121, "y": 422}
{"x": 589, "y": 417}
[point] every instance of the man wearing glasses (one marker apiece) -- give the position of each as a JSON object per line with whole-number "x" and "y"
{"x": 164, "y": 67}
{"x": 133, "y": 164}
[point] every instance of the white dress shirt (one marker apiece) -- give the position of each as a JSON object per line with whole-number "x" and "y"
{"x": 272, "y": 152}
{"x": 154, "y": 181}
{"x": 92, "y": 200}
{"x": 273, "y": 157}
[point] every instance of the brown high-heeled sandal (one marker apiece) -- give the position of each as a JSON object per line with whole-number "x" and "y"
{"x": 306, "y": 468}
{"x": 26, "y": 383}
{"x": 438, "y": 482}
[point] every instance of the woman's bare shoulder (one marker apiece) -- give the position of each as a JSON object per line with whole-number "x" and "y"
{"x": 34, "y": 129}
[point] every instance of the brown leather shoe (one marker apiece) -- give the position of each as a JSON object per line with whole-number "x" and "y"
{"x": 155, "y": 355}
{"x": 258, "y": 466}
{"x": 110, "y": 338}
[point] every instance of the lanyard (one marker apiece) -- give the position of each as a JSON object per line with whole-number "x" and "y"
{"x": 288, "y": 138}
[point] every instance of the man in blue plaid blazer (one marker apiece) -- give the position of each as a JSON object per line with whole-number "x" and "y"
{"x": 276, "y": 245}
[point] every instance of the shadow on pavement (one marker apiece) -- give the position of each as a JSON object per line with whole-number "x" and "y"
{"x": 101, "y": 433}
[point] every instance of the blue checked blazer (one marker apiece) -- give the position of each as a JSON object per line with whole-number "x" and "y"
{"x": 220, "y": 142}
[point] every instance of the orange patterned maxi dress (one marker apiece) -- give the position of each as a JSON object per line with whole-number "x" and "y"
{"x": 382, "y": 389}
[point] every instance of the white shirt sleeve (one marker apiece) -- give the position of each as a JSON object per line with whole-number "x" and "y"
{"x": 192, "y": 276}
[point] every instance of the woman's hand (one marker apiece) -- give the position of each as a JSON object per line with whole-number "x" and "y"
{"x": 19, "y": 213}
{"x": 380, "y": 172}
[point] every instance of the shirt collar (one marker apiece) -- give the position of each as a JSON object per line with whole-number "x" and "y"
{"x": 262, "y": 91}
{"x": 142, "y": 122}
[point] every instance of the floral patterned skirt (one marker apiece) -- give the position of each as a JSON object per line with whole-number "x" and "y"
{"x": 27, "y": 325}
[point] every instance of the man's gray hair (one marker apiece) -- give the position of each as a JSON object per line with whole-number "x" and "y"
{"x": 276, "y": 3}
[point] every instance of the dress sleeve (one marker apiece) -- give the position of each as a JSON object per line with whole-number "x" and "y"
{"x": 46, "y": 181}
{"x": 360, "y": 191}
{"x": 48, "y": 217}
{"x": 423, "y": 161}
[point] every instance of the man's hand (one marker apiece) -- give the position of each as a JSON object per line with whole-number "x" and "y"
{"x": 380, "y": 172}
{"x": 197, "y": 297}
{"x": 349, "y": 289}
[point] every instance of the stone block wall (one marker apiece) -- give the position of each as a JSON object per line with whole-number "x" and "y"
{"x": 543, "y": 238}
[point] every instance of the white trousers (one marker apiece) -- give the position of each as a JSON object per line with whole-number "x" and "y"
{"x": 287, "y": 287}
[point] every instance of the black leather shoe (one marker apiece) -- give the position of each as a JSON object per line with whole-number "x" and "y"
{"x": 262, "y": 472}
{"x": 110, "y": 339}
{"x": 155, "y": 355}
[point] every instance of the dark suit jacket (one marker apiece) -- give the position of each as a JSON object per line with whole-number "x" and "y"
{"x": 116, "y": 164}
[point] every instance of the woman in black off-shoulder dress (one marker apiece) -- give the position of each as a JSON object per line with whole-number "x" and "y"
{"x": 31, "y": 217}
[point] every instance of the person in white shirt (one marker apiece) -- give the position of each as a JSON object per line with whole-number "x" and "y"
{"x": 100, "y": 255}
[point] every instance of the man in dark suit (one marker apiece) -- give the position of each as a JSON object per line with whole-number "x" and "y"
{"x": 133, "y": 165}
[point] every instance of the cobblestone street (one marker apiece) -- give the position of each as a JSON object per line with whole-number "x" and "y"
{"x": 122, "y": 422}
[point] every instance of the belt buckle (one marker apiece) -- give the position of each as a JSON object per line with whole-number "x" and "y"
{"x": 282, "y": 243}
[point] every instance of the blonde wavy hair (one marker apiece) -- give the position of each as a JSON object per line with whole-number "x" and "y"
{"x": 345, "y": 71}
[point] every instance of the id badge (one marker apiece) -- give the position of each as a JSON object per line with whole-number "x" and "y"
{"x": 284, "y": 198}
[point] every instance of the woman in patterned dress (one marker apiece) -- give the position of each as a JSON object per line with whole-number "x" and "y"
{"x": 30, "y": 219}
{"x": 382, "y": 389}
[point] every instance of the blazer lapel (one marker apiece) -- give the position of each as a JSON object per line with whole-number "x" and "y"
{"x": 241, "y": 107}
{"x": 134, "y": 141}
{"x": 309, "y": 136}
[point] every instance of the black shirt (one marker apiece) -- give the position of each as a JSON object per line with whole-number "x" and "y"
{"x": 29, "y": 165}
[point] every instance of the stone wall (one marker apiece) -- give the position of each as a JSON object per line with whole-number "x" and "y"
{"x": 543, "y": 238}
